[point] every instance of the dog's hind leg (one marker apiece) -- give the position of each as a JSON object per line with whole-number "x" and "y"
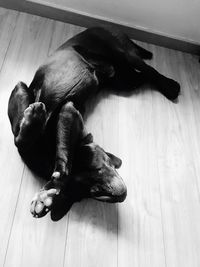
{"x": 27, "y": 118}
{"x": 140, "y": 51}
{"x": 121, "y": 51}
{"x": 166, "y": 86}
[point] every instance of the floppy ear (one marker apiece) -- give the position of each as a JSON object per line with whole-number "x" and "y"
{"x": 117, "y": 162}
{"x": 60, "y": 207}
{"x": 72, "y": 192}
{"x": 85, "y": 152}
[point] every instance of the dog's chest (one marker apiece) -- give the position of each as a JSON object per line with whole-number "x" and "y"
{"x": 66, "y": 74}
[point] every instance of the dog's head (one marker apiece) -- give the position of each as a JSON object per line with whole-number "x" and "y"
{"x": 94, "y": 176}
{"x": 97, "y": 171}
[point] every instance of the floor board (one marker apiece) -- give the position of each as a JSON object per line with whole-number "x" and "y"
{"x": 10, "y": 163}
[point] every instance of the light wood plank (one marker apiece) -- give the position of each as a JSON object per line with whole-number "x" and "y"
{"x": 176, "y": 142}
{"x": 176, "y": 164}
{"x": 140, "y": 239}
{"x": 29, "y": 237}
{"x": 35, "y": 242}
{"x": 10, "y": 164}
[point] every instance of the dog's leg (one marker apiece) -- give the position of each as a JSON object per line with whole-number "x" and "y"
{"x": 70, "y": 130}
{"x": 27, "y": 118}
{"x": 166, "y": 86}
{"x": 140, "y": 51}
{"x": 128, "y": 53}
{"x": 129, "y": 45}
{"x": 123, "y": 52}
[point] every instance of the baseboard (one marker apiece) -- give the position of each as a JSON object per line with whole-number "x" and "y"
{"x": 87, "y": 21}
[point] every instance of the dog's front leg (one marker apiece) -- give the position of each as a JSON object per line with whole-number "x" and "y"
{"x": 70, "y": 130}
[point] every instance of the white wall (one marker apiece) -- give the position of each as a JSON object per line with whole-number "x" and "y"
{"x": 174, "y": 18}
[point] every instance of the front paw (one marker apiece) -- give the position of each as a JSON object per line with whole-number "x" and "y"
{"x": 42, "y": 202}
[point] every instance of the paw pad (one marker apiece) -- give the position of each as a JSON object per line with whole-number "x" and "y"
{"x": 42, "y": 202}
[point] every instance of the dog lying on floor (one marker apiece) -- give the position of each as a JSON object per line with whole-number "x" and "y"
{"x": 47, "y": 124}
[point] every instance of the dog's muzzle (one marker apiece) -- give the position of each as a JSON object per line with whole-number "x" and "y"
{"x": 114, "y": 191}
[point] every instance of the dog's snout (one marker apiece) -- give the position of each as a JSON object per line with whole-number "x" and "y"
{"x": 119, "y": 190}
{"x": 112, "y": 191}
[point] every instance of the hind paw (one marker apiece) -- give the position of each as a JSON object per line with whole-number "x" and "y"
{"x": 35, "y": 113}
{"x": 170, "y": 89}
{"x": 33, "y": 123}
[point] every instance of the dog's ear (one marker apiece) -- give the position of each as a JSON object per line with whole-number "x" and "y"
{"x": 61, "y": 206}
{"x": 84, "y": 156}
{"x": 74, "y": 191}
{"x": 117, "y": 162}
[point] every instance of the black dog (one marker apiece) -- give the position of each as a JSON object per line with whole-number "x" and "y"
{"x": 47, "y": 123}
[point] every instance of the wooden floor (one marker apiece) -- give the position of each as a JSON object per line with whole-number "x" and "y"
{"x": 159, "y": 223}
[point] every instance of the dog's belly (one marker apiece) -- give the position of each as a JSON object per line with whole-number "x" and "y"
{"x": 66, "y": 75}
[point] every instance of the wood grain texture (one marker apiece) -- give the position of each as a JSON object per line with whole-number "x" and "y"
{"x": 10, "y": 163}
{"x": 158, "y": 141}
{"x": 141, "y": 236}
{"x": 95, "y": 224}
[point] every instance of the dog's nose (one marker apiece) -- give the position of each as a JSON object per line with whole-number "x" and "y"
{"x": 119, "y": 189}
{"x": 112, "y": 191}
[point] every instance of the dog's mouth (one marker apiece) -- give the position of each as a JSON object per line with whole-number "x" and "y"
{"x": 103, "y": 198}
{"x": 111, "y": 199}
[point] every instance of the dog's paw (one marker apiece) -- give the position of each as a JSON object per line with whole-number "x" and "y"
{"x": 147, "y": 55}
{"x": 170, "y": 89}
{"x": 33, "y": 122}
{"x": 35, "y": 113}
{"x": 42, "y": 202}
